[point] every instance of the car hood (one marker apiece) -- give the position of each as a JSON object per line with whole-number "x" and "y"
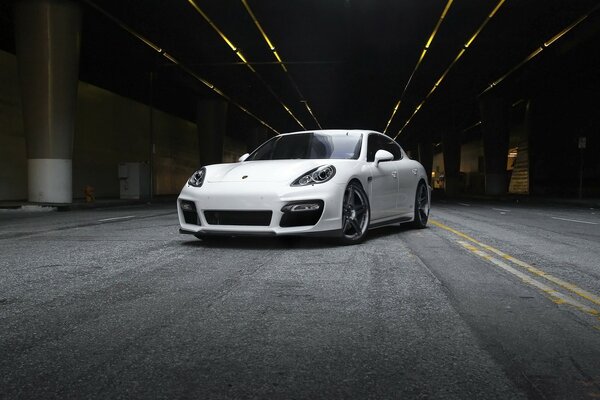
{"x": 261, "y": 171}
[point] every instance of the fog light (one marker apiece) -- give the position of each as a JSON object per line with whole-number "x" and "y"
{"x": 187, "y": 206}
{"x": 301, "y": 207}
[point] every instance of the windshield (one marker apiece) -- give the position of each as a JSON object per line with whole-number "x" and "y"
{"x": 310, "y": 146}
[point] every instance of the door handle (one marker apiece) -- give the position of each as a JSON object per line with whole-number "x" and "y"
{"x": 394, "y": 174}
{"x": 414, "y": 171}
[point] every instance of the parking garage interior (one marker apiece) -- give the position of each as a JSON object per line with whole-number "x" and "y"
{"x": 506, "y": 92}
{"x": 107, "y": 108}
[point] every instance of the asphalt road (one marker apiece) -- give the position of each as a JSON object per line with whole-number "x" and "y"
{"x": 491, "y": 301}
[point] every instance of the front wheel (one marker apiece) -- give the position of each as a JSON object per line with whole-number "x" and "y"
{"x": 356, "y": 214}
{"x": 421, "y": 206}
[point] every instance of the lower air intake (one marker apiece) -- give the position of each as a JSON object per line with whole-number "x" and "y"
{"x": 246, "y": 218}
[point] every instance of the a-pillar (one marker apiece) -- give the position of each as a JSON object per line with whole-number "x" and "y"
{"x": 48, "y": 36}
{"x": 451, "y": 149}
{"x": 211, "y": 121}
{"x": 494, "y": 123}
{"x": 425, "y": 153}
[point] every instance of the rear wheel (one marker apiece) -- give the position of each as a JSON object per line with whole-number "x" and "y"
{"x": 356, "y": 214}
{"x": 421, "y": 206}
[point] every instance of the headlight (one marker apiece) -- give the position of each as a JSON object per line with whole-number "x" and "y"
{"x": 318, "y": 175}
{"x": 197, "y": 178}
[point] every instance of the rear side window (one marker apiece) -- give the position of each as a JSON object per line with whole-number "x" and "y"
{"x": 382, "y": 142}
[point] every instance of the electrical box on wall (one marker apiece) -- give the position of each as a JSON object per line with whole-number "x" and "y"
{"x": 134, "y": 180}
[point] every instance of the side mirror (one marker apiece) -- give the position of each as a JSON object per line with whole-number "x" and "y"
{"x": 383, "y": 155}
{"x": 243, "y": 158}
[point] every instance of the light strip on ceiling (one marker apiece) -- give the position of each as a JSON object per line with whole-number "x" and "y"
{"x": 423, "y": 53}
{"x": 279, "y": 59}
{"x": 241, "y": 56}
{"x": 458, "y": 56}
{"x": 543, "y": 47}
{"x": 172, "y": 59}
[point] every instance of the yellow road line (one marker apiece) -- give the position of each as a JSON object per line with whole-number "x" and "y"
{"x": 555, "y": 296}
{"x": 530, "y": 268}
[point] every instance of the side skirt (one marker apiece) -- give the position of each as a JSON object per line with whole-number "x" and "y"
{"x": 393, "y": 221}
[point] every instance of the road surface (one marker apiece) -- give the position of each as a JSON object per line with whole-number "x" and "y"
{"x": 492, "y": 300}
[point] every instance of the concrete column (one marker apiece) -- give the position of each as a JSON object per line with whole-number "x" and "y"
{"x": 425, "y": 154}
{"x": 451, "y": 149}
{"x": 211, "y": 120}
{"x": 47, "y": 41}
{"x": 494, "y": 123}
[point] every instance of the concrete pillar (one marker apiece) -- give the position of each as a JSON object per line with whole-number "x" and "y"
{"x": 47, "y": 41}
{"x": 425, "y": 154}
{"x": 211, "y": 121}
{"x": 494, "y": 123}
{"x": 451, "y": 149}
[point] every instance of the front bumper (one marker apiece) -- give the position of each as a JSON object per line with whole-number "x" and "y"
{"x": 255, "y": 197}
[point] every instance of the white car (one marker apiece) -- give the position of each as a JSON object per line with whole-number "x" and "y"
{"x": 328, "y": 182}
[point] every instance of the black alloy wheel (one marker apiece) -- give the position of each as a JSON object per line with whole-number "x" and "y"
{"x": 356, "y": 214}
{"x": 421, "y": 206}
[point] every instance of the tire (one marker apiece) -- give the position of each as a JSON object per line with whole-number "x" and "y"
{"x": 356, "y": 214}
{"x": 421, "y": 206}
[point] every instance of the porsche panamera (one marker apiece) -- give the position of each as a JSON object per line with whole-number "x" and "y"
{"x": 335, "y": 183}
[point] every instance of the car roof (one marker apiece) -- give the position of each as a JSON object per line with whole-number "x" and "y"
{"x": 331, "y": 131}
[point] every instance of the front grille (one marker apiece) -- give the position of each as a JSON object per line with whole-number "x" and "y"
{"x": 247, "y": 218}
{"x": 190, "y": 215}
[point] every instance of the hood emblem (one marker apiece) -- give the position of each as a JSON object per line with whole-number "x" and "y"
{"x": 244, "y": 177}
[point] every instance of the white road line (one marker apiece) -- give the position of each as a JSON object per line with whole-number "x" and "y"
{"x": 557, "y": 297}
{"x": 575, "y": 220}
{"x": 116, "y": 218}
{"x": 465, "y": 204}
{"x": 500, "y": 209}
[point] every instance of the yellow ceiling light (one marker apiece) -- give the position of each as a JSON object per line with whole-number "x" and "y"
{"x": 437, "y": 26}
{"x": 458, "y": 56}
{"x": 183, "y": 67}
{"x": 545, "y": 45}
{"x": 495, "y": 10}
{"x": 209, "y": 21}
{"x": 311, "y": 113}
{"x": 262, "y": 32}
{"x": 419, "y": 61}
{"x": 439, "y": 81}
{"x": 431, "y": 91}
{"x": 394, "y": 111}
{"x": 280, "y": 61}
{"x": 565, "y": 31}
{"x": 241, "y": 56}
{"x": 170, "y": 58}
{"x": 534, "y": 53}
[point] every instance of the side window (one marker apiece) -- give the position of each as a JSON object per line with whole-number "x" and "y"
{"x": 373, "y": 145}
{"x": 393, "y": 148}
{"x": 379, "y": 142}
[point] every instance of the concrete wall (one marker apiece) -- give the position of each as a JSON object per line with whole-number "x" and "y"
{"x": 109, "y": 129}
{"x": 13, "y": 159}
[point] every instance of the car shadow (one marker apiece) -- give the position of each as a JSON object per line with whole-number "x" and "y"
{"x": 258, "y": 243}
{"x": 388, "y": 231}
{"x": 285, "y": 242}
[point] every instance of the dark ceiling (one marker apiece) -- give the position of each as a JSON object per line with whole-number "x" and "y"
{"x": 350, "y": 59}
